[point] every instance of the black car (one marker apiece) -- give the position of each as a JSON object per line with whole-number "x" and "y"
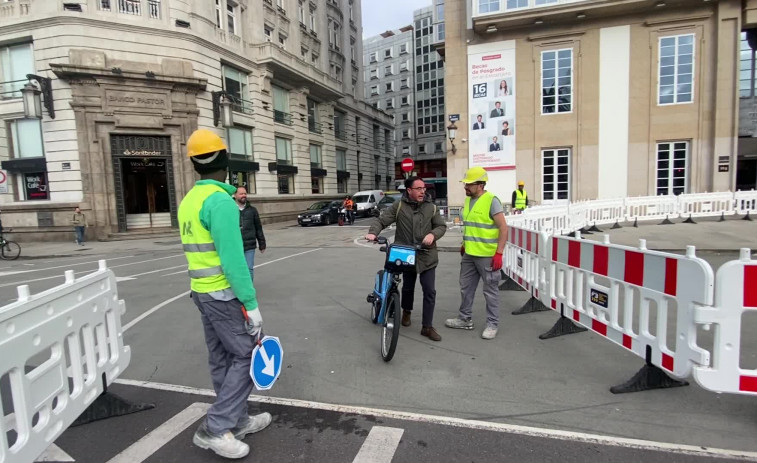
{"x": 320, "y": 213}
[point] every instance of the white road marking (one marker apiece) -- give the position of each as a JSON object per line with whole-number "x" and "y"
{"x": 380, "y": 445}
{"x": 594, "y": 439}
{"x": 163, "y": 434}
{"x": 364, "y": 243}
{"x": 54, "y": 453}
{"x": 153, "y": 310}
{"x": 185, "y": 293}
{"x": 120, "y": 279}
{"x": 84, "y": 271}
{"x": 3, "y": 274}
{"x": 156, "y": 271}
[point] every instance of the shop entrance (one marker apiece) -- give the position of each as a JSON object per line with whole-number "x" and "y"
{"x": 144, "y": 182}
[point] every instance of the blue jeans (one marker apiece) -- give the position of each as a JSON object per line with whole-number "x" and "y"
{"x": 249, "y": 256}
{"x": 79, "y": 234}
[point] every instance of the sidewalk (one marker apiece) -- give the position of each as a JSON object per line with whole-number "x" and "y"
{"x": 706, "y": 235}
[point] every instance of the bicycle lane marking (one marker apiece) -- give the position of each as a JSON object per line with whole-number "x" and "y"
{"x": 185, "y": 293}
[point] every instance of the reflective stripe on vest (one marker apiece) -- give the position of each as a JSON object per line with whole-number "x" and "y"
{"x": 480, "y": 233}
{"x": 204, "y": 262}
{"x": 520, "y": 199}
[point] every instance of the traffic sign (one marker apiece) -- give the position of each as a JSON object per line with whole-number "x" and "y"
{"x": 407, "y": 165}
{"x": 3, "y": 181}
{"x": 266, "y": 363}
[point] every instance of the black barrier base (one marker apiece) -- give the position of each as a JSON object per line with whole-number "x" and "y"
{"x": 509, "y": 285}
{"x": 563, "y": 326}
{"x": 648, "y": 378}
{"x": 531, "y": 306}
{"x": 666, "y": 221}
{"x": 746, "y": 217}
{"x": 689, "y": 220}
{"x": 722, "y": 217}
{"x": 636, "y": 222}
{"x": 616, "y": 226}
{"x": 586, "y": 231}
{"x": 108, "y": 405}
{"x": 595, "y": 229}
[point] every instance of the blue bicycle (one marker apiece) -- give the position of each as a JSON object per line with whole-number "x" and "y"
{"x": 385, "y": 299}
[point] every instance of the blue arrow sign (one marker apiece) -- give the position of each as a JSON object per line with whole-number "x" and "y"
{"x": 266, "y": 363}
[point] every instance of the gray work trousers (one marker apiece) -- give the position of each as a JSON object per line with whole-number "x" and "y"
{"x": 229, "y": 357}
{"x": 473, "y": 269}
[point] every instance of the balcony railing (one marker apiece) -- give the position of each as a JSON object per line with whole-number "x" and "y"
{"x": 238, "y": 104}
{"x": 153, "y": 7}
{"x": 492, "y": 7}
{"x": 130, "y": 7}
{"x": 281, "y": 117}
{"x": 315, "y": 127}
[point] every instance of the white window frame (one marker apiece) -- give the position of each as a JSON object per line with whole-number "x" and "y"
{"x": 404, "y": 83}
{"x": 341, "y": 159}
{"x": 405, "y": 117}
{"x": 390, "y": 103}
{"x": 301, "y": 12}
{"x": 316, "y": 151}
{"x": 404, "y": 66}
{"x": 231, "y": 14}
{"x": 373, "y": 57}
{"x": 249, "y": 150}
{"x": 312, "y": 19}
{"x": 282, "y": 41}
{"x": 556, "y": 82}
{"x": 556, "y": 154}
{"x": 14, "y": 73}
{"x": 676, "y": 74}
{"x": 389, "y": 87}
{"x": 389, "y": 70}
{"x": 391, "y": 53}
{"x": 374, "y": 90}
{"x": 287, "y": 150}
{"x": 16, "y": 139}
{"x": 268, "y": 34}
{"x": 405, "y": 100}
{"x": 219, "y": 14}
{"x": 672, "y": 147}
{"x": 373, "y": 73}
{"x": 403, "y": 48}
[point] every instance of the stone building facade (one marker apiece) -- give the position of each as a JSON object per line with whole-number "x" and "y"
{"x": 131, "y": 79}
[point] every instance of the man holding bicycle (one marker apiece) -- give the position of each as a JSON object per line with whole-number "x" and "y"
{"x": 418, "y": 222}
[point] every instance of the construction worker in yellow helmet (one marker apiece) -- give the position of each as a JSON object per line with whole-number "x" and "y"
{"x": 520, "y": 198}
{"x": 484, "y": 238}
{"x": 223, "y": 292}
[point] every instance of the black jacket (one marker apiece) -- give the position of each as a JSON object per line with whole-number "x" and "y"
{"x": 251, "y": 228}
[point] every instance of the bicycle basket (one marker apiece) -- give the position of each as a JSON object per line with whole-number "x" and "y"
{"x": 400, "y": 258}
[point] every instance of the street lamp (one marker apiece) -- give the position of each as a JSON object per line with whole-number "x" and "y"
{"x": 32, "y": 101}
{"x": 452, "y": 129}
{"x": 222, "y": 109}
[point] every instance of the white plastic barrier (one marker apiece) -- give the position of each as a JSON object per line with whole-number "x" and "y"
{"x": 736, "y": 295}
{"x": 55, "y": 349}
{"x": 705, "y": 204}
{"x": 577, "y": 217}
{"x": 745, "y": 201}
{"x": 606, "y": 211}
{"x": 601, "y": 285}
{"x": 524, "y": 260}
{"x": 651, "y": 208}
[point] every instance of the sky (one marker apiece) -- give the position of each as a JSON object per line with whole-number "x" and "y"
{"x": 382, "y": 15}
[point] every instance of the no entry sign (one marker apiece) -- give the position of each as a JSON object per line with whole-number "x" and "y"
{"x": 407, "y": 165}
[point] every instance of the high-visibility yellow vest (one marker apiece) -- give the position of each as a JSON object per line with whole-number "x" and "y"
{"x": 204, "y": 262}
{"x": 480, "y": 233}
{"x": 520, "y": 199}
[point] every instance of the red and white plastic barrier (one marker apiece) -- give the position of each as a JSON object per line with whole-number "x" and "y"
{"x": 612, "y": 290}
{"x": 524, "y": 257}
{"x": 736, "y": 295}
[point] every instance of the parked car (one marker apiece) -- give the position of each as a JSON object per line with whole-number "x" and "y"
{"x": 320, "y": 213}
{"x": 389, "y": 198}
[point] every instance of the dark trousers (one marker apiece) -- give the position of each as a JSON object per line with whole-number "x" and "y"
{"x": 428, "y": 284}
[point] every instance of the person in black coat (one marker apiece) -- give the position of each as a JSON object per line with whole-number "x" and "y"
{"x": 251, "y": 228}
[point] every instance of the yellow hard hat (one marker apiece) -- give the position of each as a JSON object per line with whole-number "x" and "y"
{"x": 521, "y": 183}
{"x": 475, "y": 174}
{"x": 204, "y": 141}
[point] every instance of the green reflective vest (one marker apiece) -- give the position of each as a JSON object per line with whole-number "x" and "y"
{"x": 520, "y": 199}
{"x": 204, "y": 262}
{"x": 480, "y": 233}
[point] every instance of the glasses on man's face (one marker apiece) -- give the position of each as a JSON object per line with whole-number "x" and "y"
{"x": 419, "y": 188}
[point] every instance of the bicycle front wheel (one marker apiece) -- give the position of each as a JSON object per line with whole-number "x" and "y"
{"x": 10, "y": 250}
{"x": 390, "y": 332}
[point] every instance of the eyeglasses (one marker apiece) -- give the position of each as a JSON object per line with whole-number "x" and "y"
{"x": 420, "y": 188}
{"x": 469, "y": 185}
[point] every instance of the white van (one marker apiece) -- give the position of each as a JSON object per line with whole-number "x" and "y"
{"x": 366, "y": 202}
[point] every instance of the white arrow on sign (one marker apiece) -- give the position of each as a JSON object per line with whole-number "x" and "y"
{"x": 54, "y": 453}
{"x": 268, "y": 370}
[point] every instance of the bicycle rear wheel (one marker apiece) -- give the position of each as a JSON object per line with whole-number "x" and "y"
{"x": 10, "y": 250}
{"x": 390, "y": 332}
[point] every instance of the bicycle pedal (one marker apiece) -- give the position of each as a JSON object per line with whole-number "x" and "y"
{"x": 370, "y": 298}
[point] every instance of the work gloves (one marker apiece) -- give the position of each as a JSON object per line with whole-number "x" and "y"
{"x": 253, "y": 322}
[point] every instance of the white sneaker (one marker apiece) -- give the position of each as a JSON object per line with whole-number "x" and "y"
{"x": 489, "y": 333}
{"x": 459, "y": 324}
{"x": 254, "y": 424}
{"x": 225, "y": 445}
